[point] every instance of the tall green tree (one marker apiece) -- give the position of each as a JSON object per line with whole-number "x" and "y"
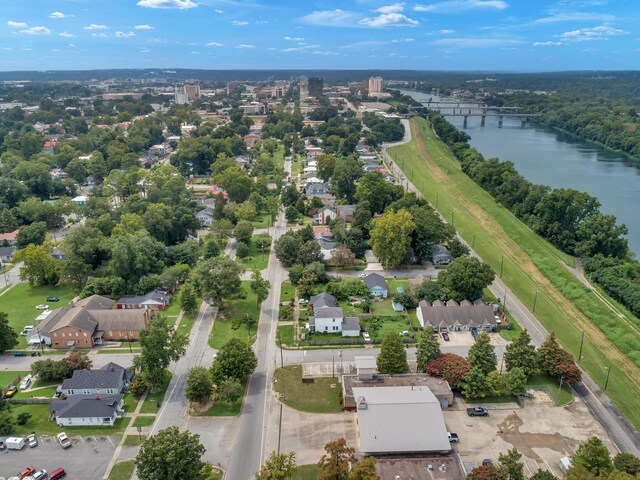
{"x": 235, "y": 359}
{"x": 160, "y": 345}
{"x": 39, "y": 268}
{"x": 391, "y": 237}
{"x": 428, "y": 348}
{"x": 8, "y": 336}
{"x": 171, "y": 455}
{"x": 543, "y": 475}
{"x": 475, "y": 384}
{"x": 217, "y": 279}
{"x": 260, "y": 287}
{"x": 625, "y": 462}
{"x": 511, "y": 465}
{"x": 199, "y": 385}
{"x": 279, "y": 466}
{"x": 594, "y": 456}
{"x": 466, "y": 277}
{"x": 516, "y": 381}
{"x": 365, "y": 469}
{"x": 392, "y": 358}
{"x": 482, "y": 354}
{"x": 334, "y": 464}
{"x": 188, "y": 299}
{"x": 520, "y": 353}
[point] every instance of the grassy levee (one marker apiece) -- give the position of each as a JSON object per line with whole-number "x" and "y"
{"x": 528, "y": 262}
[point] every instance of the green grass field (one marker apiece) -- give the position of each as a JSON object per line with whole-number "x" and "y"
{"x": 257, "y": 259}
{"x": 316, "y": 397}
{"x": 223, "y": 330}
{"x": 174, "y": 308}
{"x": 150, "y": 404}
{"x": 20, "y": 304}
{"x": 563, "y": 305}
{"x": 287, "y": 292}
{"x": 41, "y": 392}
{"x": 262, "y": 221}
{"x": 285, "y": 334}
{"x": 224, "y": 409}
{"x": 134, "y": 440}
{"x": 7, "y": 377}
{"x": 122, "y": 470}
{"x": 144, "y": 421}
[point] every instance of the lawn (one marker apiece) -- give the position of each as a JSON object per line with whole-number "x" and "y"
{"x": 144, "y": 421}
{"x": 20, "y": 303}
{"x": 123, "y": 470}
{"x": 316, "y": 397}
{"x": 223, "y": 328}
{"x": 40, "y": 423}
{"x": 545, "y": 382}
{"x": 529, "y": 263}
{"x": 7, "y": 377}
{"x": 394, "y": 325}
{"x": 383, "y": 308}
{"x": 262, "y": 221}
{"x": 134, "y": 440}
{"x": 41, "y": 392}
{"x": 150, "y": 404}
{"x": 257, "y": 258}
{"x": 287, "y": 292}
{"x": 307, "y": 472}
{"x": 174, "y": 308}
{"x": 224, "y": 409}
{"x": 186, "y": 324}
{"x": 285, "y": 334}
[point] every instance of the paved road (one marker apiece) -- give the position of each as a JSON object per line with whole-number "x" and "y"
{"x": 9, "y": 362}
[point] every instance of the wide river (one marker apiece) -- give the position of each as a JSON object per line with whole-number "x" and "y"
{"x": 549, "y": 157}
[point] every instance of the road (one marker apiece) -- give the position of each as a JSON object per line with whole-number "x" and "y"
{"x": 617, "y": 426}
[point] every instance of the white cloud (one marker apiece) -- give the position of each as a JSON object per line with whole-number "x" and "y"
{"x": 145, "y": 50}
{"x": 601, "y": 32}
{"x": 71, "y": 45}
{"x": 447, "y": 31}
{"x": 103, "y": 35}
{"x": 215, "y": 44}
{"x": 125, "y": 34}
{"x": 365, "y": 44}
{"x": 476, "y": 42}
{"x": 396, "y": 7}
{"x": 93, "y": 26}
{"x": 195, "y": 53}
{"x": 403, "y": 40}
{"x": 388, "y": 20}
{"x": 67, "y": 34}
{"x": 455, "y": 6}
{"x": 144, "y": 27}
{"x": 294, "y": 39}
{"x": 217, "y": 10}
{"x": 36, "y": 31}
{"x": 575, "y": 17}
{"x": 6, "y": 49}
{"x": 239, "y": 23}
{"x": 330, "y": 18}
{"x": 28, "y": 49}
{"x": 244, "y": 45}
{"x": 16, "y": 24}
{"x": 58, "y": 15}
{"x": 179, "y": 4}
{"x": 546, "y": 44}
{"x": 325, "y": 53}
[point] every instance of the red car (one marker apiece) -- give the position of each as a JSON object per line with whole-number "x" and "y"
{"x": 26, "y": 471}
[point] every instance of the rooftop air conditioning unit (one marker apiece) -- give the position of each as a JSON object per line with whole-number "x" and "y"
{"x": 362, "y": 403}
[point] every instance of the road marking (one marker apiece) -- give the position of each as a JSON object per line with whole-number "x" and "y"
{"x": 108, "y": 438}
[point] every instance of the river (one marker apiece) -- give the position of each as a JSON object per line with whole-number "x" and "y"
{"x": 553, "y": 158}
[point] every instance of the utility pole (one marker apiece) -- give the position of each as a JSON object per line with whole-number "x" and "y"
{"x": 505, "y": 300}
{"x": 581, "y": 343}
{"x": 452, "y": 217}
{"x": 535, "y": 299}
{"x": 473, "y": 243}
{"x": 501, "y": 265}
{"x": 606, "y": 382}
{"x": 437, "y": 195}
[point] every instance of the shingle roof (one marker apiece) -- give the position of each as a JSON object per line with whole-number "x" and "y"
{"x": 351, "y": 324}
{"x": 154, "y": 296}
{"x": 328, "y": 312}
{"x": 323, "y": 299}
{"x": 452, "y": 314}
{"x": 375, "y": 280}
{"x": 86, "y": 406}
{"x": 90, "y": 379}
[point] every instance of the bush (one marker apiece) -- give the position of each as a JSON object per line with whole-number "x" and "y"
{"x": 243, "y": 250}
{"x": 7, "y": 423}
{"x": 23, "y": 418}
{"x": 138, "y": 386}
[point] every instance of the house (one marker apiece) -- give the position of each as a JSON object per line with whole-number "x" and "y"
{"x": 87, "y": 410}
{"x": 400, "y": 420}
{"x": 9, "y": 238}
{"x": 59, "y": 174}
{"x": 6, "y": 253}
{"x": 345, "y": 212}
{"x": 112, "y": 379}
{"x": 314, "y": 189}
{"x": 250, "y": 140}
{"x": 327, "y": 244}
{"x": 79, "y": 200}
{"x": 310, "y": 171}
{"x": 377, "y": 285}
{"x": 58, "y": 254}
{"x": 90, "y": 322}
{"x": 453, "y": 316}
{"x": 242, "y": 161}
{"x": 48, "y": 147}
{"x": 218, "y": 190}
{"x": 440, "y": 255}
{"x": 310, "y": 180}
{"x": 156, "y": 300}
{"x": 323, "y": 300}
{"x": 205, "y": 217}
{"x": 327, "y": 199}
{"x": 324, "y": 215}
{"x": 159, "y": 150}
{"x": 332, "y": 320}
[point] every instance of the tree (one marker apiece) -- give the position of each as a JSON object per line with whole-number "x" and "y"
{"x": 260, "y": 287}
{"x": 557, "y": 362}
{"x": 393, "y": 356}
{"x": 431, "y": 291}
{"x": 288, "y": 248}
{"x": 391, "y": 237}
{"x": 495, "y": 384}
{"x": 34, "y": 233}
{"x": 242, "y": 250}
{"x": 543, "y": 475}
{"x": 482, "y": 354}
{"x": 8, "y": 336}
{"x": 39, "y": 268}
{"x": 217, "y": 279}
{"x": 77, "y": 361}
{"x": 235, "y": 359}
{"x": 428, "y": 348}
{"x": 486, "y": 472}
{"x": 516, "y": 381}
{"x": 364, "y": 470}
{"x": 160, "y": 345}
{"x": 236, "y": 183}
{"x": 625, "y": 462}
{"x": 171, "y": 455}
{"x": 466, "y": 277}
{"x": 520, "y": 353}
{"x": 475, "y": 383}
{"x": 593, "y": 456}
{"x": 7, "y": 423}
{"x": 199, "y": 385}
{"x": 243, "y": 231}
{"x": 326, "y": 166}
{"x": 599, "y": 234}
{"x": 373, "y": 188}
{"x": 342, "y": 256}
{"x": 229, "y": 390}
{"x": 334, "y": 464}
{"x": 23, "y": 418}
{"x": 135, "y": 255}
{"x": 292, "y": 214}
{"x": 509, "y": 463}
{"x": 453, "y": 368}
{"x": 279, "y": 466}
{"x": 457, "y": 248}
{"x": 188, "y": 300}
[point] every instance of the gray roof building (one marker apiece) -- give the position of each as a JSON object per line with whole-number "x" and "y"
{"x": 440, "y": 255}
{"x": 95, "y": 380}
{"x": 400, "y": 420}
{"x": 322, "y": 300}
{"x": 456, "y": 316}
{"x": 375, "y": 280}
{"x": 86, "y": 406}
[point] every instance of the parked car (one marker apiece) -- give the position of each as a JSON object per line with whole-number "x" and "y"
{"x": 64, "y": 440}
{"x": 53, "y": 299}
{"x": 303, "y": 301}
{"x": 445, "y": 336}
{"x": 40, "y": 475}
{"x": 32, "y": 440}
{"x": 57, "y": 474}
{"x": 2, "y": 446}
{"x": 366, "y": 337}
{"x": 26, "y": 330}
{"x": 487, "y": 462}
{"x": 478, "y": 411}
{"x": 453, "y": 437}
{"x": 404, "y": 333}
{"x": 11, "y": 391}
{"x": 26, "y": 471}
{"x": 362, "y": 275}
{"x": 26, "y": 381}
{"x": 42, "y": 307}
{"x": 19, "y": 354}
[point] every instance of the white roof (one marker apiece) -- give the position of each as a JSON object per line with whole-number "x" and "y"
{"x": 365, "y": 361}
{"x": 400, "y": 419}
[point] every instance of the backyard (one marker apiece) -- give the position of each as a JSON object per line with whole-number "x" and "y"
{"x": 323, "y": 395}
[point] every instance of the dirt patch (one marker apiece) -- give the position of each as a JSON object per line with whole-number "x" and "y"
{"x": 196, "y": 409}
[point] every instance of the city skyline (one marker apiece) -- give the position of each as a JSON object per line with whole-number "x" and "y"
{"x": 493, "y": 35}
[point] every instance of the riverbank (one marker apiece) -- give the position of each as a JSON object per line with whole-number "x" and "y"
{"x": 528, "y": 264}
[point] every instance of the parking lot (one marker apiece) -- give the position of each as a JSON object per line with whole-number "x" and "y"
{"x": 87, "y": 458}
{"x": 542, "y": 432}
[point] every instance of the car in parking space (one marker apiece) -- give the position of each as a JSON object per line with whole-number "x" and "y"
{"x": 445, "y": 336}
{"x": 366, "y": 337}
{"x": 42, "y": 307}
{"x": 40, "y": 475}
{"x": 64, "y": 440}
{"x": 32, "y": 440}
{"x": 53, "y": 299}
{"x": 478, "y": 411}
{"x": 26, "y": 471}
{"x": 19, "y": 354}
{"x": 57, "y": 474}
{"x": 453, "y": 437}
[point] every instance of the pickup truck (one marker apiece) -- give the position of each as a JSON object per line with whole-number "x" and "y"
{"x": 477, "y": 412}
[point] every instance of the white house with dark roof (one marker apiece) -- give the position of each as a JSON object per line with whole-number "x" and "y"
{"x": 377, "y": 285}
{"x": 87, "y": 410}
{"x": 205, "y": 217}
{"x": 322, "y": 300}
{"x": 111, "y": 379}
{"x": 333, "y": 320}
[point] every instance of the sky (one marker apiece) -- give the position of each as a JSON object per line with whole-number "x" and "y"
{"x": 493, "y": 35}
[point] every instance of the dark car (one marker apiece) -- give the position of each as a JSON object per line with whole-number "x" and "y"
{"x": 2, "y": 446}
{"x": 445, "y": 336}
{"x": 53, "y": 299}
{"x": 19, "y": 354}
{"x": 487, "y": 462}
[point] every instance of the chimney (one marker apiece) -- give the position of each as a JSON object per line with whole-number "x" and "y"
{"x": 97, "y": 396}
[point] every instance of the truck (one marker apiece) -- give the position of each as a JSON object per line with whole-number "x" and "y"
{"x": 15, "y": 443}
{"x": 478, "y": 411}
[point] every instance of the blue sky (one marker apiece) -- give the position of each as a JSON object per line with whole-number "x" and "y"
{"x": 512, "y": 35}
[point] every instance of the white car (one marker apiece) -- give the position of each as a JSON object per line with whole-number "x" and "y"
{"x": 303, "y": 301}
{"x": 362, "y": 275}
{"x": 366, "y": 337}
{"x": 64, "y": 440}
{"x": 42, "y": 307}
{"x": 32, "y": 441}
